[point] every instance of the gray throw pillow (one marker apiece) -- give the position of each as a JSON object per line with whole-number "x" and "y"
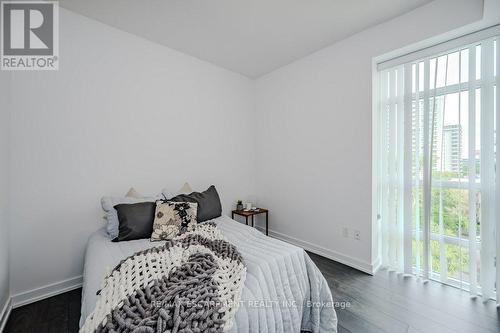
{"x": 135, "y": 220}
{"x": 209, "y": 206}
{"x": 111, "y": 216}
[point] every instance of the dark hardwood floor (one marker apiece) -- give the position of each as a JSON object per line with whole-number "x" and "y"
{"x": 386, "y": 302}
{"x": 58, "y": 314}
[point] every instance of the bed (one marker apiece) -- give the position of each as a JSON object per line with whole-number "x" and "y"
{"x": 280, "y": 278}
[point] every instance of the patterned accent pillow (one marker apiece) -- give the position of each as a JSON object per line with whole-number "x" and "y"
{"x": 173, "y": 219}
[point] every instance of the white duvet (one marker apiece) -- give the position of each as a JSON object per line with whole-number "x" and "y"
{"x": 281, "y": 278}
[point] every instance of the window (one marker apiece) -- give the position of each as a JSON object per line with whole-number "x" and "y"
{"x": 436, "y": 164}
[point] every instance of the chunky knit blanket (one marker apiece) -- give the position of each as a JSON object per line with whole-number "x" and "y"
{"x": 190, "y": 284}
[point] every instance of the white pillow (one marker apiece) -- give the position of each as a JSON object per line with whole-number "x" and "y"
{"x": 185, "y": 189}
{"x": 111, "y": 216}
{"x": 132, "y": 193}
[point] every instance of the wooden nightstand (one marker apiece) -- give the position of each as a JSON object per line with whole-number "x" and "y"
{"x": 252, "y": 213}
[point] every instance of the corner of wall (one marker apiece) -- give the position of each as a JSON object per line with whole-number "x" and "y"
{"x": 6, "y": 108}
{"x": 5, "y": 313}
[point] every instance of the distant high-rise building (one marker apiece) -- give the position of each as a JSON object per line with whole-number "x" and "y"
{"x": 446, "y": 140}
{"x": 452, "y": 148}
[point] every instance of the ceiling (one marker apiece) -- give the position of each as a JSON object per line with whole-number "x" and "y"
{"x": 251, "y": 37}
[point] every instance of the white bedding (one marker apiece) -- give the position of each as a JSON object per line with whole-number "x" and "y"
{"x": 280, "y": 277}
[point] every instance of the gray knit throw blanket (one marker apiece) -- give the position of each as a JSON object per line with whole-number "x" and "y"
{"x": 191, "y": 284}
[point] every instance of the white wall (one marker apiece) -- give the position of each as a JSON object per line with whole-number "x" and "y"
{"x": 120, "y": 112}
{"x": 314, "y": 134}
{"x": 4, "y": 187}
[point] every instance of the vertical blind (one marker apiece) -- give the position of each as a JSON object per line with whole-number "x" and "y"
{"x": 439, "y": 189}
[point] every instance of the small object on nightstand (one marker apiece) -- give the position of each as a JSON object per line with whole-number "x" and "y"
{"x": 239, "y": 205}
{"x": 251, "y": 213}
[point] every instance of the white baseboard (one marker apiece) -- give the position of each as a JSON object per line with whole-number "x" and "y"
{"x": 4, "y": 315}
{"x": 327, "y": 253}
{"x": 47, "y": 291}
{"x": 376, "y": 265}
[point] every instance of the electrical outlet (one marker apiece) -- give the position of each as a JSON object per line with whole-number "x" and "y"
{"x": 357, "y": 235}
{"x": 345, "y": 232}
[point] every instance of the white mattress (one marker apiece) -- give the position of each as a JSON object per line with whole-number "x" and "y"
{"x": 277, "y": 273}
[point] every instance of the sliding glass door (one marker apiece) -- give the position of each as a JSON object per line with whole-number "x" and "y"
{"x": 437, "y": 167}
